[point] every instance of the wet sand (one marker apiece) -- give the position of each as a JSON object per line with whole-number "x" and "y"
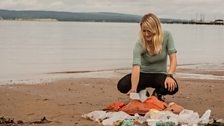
{"x": 64, "y": 101}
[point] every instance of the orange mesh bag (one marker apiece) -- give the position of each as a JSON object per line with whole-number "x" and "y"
{"x": 155, "y": 103}
{"x": 136, "y": 106}
{"x": 115, "y": 106}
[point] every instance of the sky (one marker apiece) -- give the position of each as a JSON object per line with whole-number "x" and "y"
{"x": 177, "y": 9}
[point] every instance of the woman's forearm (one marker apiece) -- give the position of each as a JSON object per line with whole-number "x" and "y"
{"x": 135, "y": 77}
{"x": 173, "y": 64}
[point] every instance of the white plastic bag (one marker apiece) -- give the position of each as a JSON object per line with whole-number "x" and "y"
{"x": 96, "y": 116}
{"x": 139, "y": 96}
{"x": 152, "y": 122}
{"x": 167, "y": 116}
{"x": 112, "y": 117}
{"x": 188, "y": 117}
{"x": 205, "y": 117}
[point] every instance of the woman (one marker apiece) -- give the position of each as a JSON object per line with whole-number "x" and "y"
{"x": 150, "y": 61}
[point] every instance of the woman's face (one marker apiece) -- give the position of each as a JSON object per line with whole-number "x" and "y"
{"x": 147, "y": 34}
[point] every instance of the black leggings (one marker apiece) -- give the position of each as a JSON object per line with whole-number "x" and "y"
{"x": 153, "y": 80}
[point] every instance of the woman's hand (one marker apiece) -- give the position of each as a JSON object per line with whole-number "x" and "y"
{"x": 131, "y": 91}
{"x": 170, "y": 84}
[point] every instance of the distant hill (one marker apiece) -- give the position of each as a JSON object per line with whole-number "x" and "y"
{"x": 77, "y": 16}
{"x": 69, "y": 16}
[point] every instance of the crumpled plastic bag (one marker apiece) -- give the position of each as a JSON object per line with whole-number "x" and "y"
{"x": 188, "y": 117}
{"x": 167, "y": 116}
{"x": 106, "y": 118}
{"x": 163, "y": 116}
{"x": 205, "y": 117}
{"x": 112, "y": 117}
{"x": 97, "y": 116}
{"x": 139, "y": 96}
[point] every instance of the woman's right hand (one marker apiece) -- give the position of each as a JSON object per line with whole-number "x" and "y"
{"x": 131, "y": 91}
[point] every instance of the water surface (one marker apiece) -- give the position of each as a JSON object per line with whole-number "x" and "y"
{"x": 33, "y": 48}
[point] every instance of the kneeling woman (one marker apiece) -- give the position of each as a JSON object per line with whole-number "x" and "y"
{"x": 150, "y": 61}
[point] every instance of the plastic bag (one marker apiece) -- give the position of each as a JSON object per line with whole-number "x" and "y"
{"x": 205, "y": 117}
{"x": 188, "y": 117}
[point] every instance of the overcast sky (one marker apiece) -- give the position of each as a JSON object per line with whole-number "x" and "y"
{"x": 184, "y": 9}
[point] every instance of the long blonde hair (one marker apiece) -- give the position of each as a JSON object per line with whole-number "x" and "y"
{"x": 152, "y": 23}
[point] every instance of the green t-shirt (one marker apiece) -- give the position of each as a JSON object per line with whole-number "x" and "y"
{"x": 156, "y": 63}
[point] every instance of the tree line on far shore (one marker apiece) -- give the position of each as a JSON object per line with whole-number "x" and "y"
{"x": 84, "y": 17}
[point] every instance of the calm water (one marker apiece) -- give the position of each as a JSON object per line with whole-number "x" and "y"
{"x": 31, "y": 48}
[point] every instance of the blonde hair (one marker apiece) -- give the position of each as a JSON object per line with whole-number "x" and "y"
{"x": 152, "y": 23}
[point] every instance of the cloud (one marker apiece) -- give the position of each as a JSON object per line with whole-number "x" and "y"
{"x": 32, "y": 4}
{"x": 188, "y": 9}
{"x": 57, "y": 5}
{"x": 19, "y": 4}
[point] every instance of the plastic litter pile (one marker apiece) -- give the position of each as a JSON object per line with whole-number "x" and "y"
{"x": 142, "y": 111}
{"x": 152, "y": 118}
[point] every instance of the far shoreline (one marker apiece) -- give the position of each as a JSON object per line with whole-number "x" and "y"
{"x": 170, "y": 22}
{"x": 185, "y": 71}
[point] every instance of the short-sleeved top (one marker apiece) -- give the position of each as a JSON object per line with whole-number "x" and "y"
{"x": 154, "y": 63}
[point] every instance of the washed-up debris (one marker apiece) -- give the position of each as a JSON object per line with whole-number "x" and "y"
{"x": 143, "y": 111}
{"x": 139, "y": 96}
{"x": 160, "y": 123}
{"x": 106, "y": 118}
{"x": 137, "y": 106}
{"x": 205, "y": 117}
{"x": 153, "y": 118}
{"x": 10, "y": 122}
{"x": 6, "y": 121}
{"x": 43, "y": 120}
{"x": 219, "y": 122}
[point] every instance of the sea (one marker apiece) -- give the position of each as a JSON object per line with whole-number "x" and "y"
{"x": 31, "y": 48}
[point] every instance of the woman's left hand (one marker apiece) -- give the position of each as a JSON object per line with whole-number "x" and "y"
{"x": 170, "y": 84}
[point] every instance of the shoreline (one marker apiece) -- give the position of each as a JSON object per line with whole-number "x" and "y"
{"x": 172, "y": 21}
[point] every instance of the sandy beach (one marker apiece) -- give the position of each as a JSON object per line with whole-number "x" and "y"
{"x": 64, "y": 101}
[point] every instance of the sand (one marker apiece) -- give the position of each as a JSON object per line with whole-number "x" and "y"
{"x": 64, "y": 101}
